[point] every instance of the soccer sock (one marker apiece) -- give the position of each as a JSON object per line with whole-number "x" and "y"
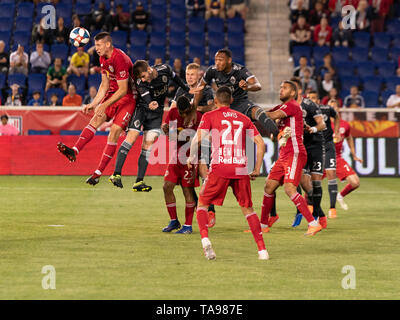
{"x": 195, "y": 197}
{"x": 189, "y": 212}
{"x": 309, "y": 197}
{"x": 267, "y": 205}
{"x": 273, "y": 209}
{"x": 202, "y": 220}
{"x": 121, "y": 157}
{"x": 255, "y": 227}
{"x": 86, "y": 135}
{"x": 305, "y": 196}
{"x": 171, "y": 207}
{"x": 268, "y": 124}
{"x": 142, "y": 164}
{"x": 301, "y": 204}
{"x": 108, "y": 153}
{"x": 333, "y": 190}
{"x": 316, "y": 198}
{"x": 346, "y": 190}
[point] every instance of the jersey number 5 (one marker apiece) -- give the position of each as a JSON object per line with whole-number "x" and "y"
{"x": 228, "y": 130}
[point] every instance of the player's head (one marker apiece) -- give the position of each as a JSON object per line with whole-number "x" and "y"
{"x": 297, "y": 82}
{"x": 223, "y": 59}
{"x": 288, "y": 91}
{"x": 223, "y": 97}
{"x": 313, "y": 96}
{"x": 103, "y": 43}
{"x": 183, "y": 105}
{"x": 192, "y": 74}
{"x": 142, "y": 71}
{"x": 334, "y": 104}
{"x": 4, "y": 119}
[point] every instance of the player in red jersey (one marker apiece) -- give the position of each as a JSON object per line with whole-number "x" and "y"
{"x": 287, "y": 170}
{"x": 228, "y": 129}
{"x": 343, "y": 169}
{"x": 115, "y": 100}
{"x": 182, "y": 125}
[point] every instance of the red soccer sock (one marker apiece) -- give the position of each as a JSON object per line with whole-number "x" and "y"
{"x": 268, "y": 203}
{"x": 189, "y": 212}
{"x": 301, "y": 204}
{"x": 255, "y": 227}
{"x": 171, "y": 207}
{"x": 202, "y": 220}
{"x": 346, "y": 190}
{"x": 108, "y": 153}
{"x": 86, "y": 135}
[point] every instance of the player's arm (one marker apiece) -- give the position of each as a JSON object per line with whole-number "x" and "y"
{"x": 350, "y": 142}
{"x": 195, "y": 145}
{"x": 319, "y": 119}
{"x": 251, "y": 84}
{"x": 337, "y": 124}
{"x": 258, "y": 140}
{"x": 209, "y": 107}
{"x": 276, "y": 115}
{"x": 121, "y": 92}
{"x": 101, "y": 93}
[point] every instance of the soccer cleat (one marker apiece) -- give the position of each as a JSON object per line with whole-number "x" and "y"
{"x": 313, "y": 230}
{"x": 272, "y": 220}
{"x": 116, "y": 180}
{"x": 207, "y": 248}
{"x": 323, "y": 222}
{"x": 211, "y": 219}
{"x": 173, "y": 225}
{"x": 310, "y": 208}
{"x": 141, "y": 187}
{"x": 93, "y": 180}
{"x": 297, "y": 220}
{"x": 185, "y": 230}
{"x": 332, "y": 213}
{"x": 264, "y": 230}
{"x": 263, "y": 255}
{"x": 66, "y": 151}
{"x": 340, "y": 199}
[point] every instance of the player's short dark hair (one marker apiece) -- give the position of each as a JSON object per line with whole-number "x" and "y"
{"x": 4, "y": 116}
{"x": 139, "y": 66}
{"x": 227, "y": 52}
{"x": 313, "y": 92}
{"x": 183, "y": 103}
{"x": 293, "y": 86}
{"x": 224, "y": 95}
{"x": 103, "y": 35}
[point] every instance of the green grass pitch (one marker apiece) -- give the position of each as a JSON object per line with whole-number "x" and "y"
{"x": 110, "y": 245}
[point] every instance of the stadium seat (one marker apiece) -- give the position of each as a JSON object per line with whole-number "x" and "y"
{"x": 120, "y": 38}
{"x": 371, "y": 99}
{"x": 38, "y": 10}
{"x": 144, "y": 3}
{"x": 366, "y": 69}
{"x": 196, "y": 39}
{"x": 235, "y": 24}
{"x": 235, "y": 39}
{"x": 156, "y": 52}
{"x": 158, "y": 25}
{"x": 177, "y": 25}
{"x": 393, "y": 27}
{"x": 6, "y": 24}
{"x": 5, "y": 36}
{"x": 58, "y": 91}
{"x": 22, "y": 38}
{"x": 84, "y": 1}
{"x": 2, "y": 80}
{"x": 7, "y": 10}
{"x": 395, "y": 54}
{"x": 345, "y": 68}
{"x": 125, "y": 5}
{"x": 137, "y": 53}
{"x": 396, "y": 41}
{"x": 158, "y": 39}
{"x": 176, "y": 12}
{"x": 299, "y": 51}
{"x": 159, "y": 3}
{"x": 94, "y": 80}
{"x": 386, "y": 69}
{"x": 361, "y": 39}
{"x": 347, "y": 82}
{"x": 83, "y": 9}
{"x": 238, "y": 55}
{"x": 107, "y": 3}
{"x": 177, "y": 52}
{"x": 36, "y": 81}
{"x": 177, "y": 3}
{"x": 211, "y": 53}
{"x": 381, "y": 40}
{"x": 32, "y": 132}
{"x": 25, "y": 9}
{"x": 78, "y": 82}
{"x": 158, "y": 11}
{"x": 138, "y": 38}
{"x": 23, "y": 24}
{"x": 372, "y": 83}
{"x": 392, "y": 82}
{"x": 216, "y": 39}
{"x": 70, "y": 132}
{"x": 215, "y": 24}
{"x": 359, "y": 54}
{"x": 379, "y": 54}
{"x": 17, "y": 78}
{"x": 196, "y": 24}
{"x": 320, "y": 52}
{"x": 64, "y": 10}
{"x": 177, "y": 38}
{"x": 340, "y": 54}
{"x": 59, "y": 51}
{"x": 385, "y": 96}
{"x": 196, "y": 52}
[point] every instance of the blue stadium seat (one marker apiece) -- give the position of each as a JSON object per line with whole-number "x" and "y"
{"x": 158, "y": 12}
{"x": 299, "y": 51}
{"x": 238, "y": 55}
{"x": 138, "y": 38}
{"x": 6, "y": 24}
{"x": 216, "y": 39}
{"x": 177, "y": 52}
{"x": 78, "y": 82}
{"x": 371, "y": 99}
{"x": 379, "y": 54}
{"x": 361, "y": 39}
{"x": 58, "y": 91}
{"x": 392, "y": 82}
{"x": 120, "y": 38}
{"x": 386, "y": 69}
{"x": 94, "y": 80}
{"x": 32, "y": 132}
{"x": 347, "y": 82}
{"x": 196, "y": 24}
{"x": 17, "y": 78}
{"x": 137, "y": 53}
{"x": 59, "y": 51}
{"x": 235, "y": 39}
{"x": 83, "y": 9}
{"x": 36, "y": 81}
{"x": 235, "y": 24}
{"x": 7, "y": 10}
{"x": 158, "y": 39}
{"x": 395, "y": 54}
{"x": 381, "y": 40}
{"x": 176, "y": 12}
{"x": 84, "y": 1}
{"x": 125, "y": 5}
{"x": 64, "y": 10}
{"x": 366, "y": 69}
{"x": 177, "y": 3}
{"x": 158, "y": 25}
{"x": 196, "y": 39}
{"x": 2, "y": 80}
{"x": 393, "y": 27}
{"x": 196, "y": 52}
{"x": 177, "y": 25}
{"x": 340, "y": 54}
{"x": 344, "y": 93}
{"x": 156, "y": 52}
{"x": 107, "y": 3}
{"x": 320, "y": 52}
{"x": 372, "y": 83}
{"x": 25, "y": 9}
{"x": 385, "y": 96}
{"x": 23, "y": 24}
{"x": 5, "y": 36}
{"x": 345, "y": 69}
{"x": 38, "y": 10}
{"x": 70, "y": 132}
{"x": 396, "y": 40}
{"x": 22, "y": 38}
{"x": 211, "y": 53}
{"x": 215, "y": 24}
{"x": 177, "y": 38}
{"x": 359, "y": 54}
{"x": 159, "y": 3}
{"x": 144, "y": 3}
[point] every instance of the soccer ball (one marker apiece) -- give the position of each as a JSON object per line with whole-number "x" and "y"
{"x": 79, "y": 37}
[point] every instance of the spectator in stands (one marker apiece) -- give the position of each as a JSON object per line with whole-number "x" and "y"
{"x": 40, "y": 59}
{"x": 323, "y": 33}
{"x": 72, "y": 99}
{"x": 299, "y": 11}
{"x": 158, "y": 61}
{"x": 380, "y": 11}
{"x": 308, "y": 83}
{"x": 41, "y": 34}
{"x": 202, "y": 69}
{"x": 363, "y": 16}
{"x": 36, "y": 99}
{"x": 333, "y": 95}
{"x": 76, "y": 22}
{"x": 53, "y": 101}
{"x": 79, "y": 64}
{"x": 180, "y": 72}
{"x": 90, "y": 97}
{"x": 140, "y": 17}
{"x": 303, "y": 65}
{"x": 15, "y": 98}
{"x": 57, "y": 76}
{"x": 234, "y": 7}
{"x": 215, "y": 9}
{"x": 326, "y": 67}
{"x": 394, "y": 99}
{"x": 327, "y": 84}
{"x": 4, "y": 63}
{"x": 300, "y": 34}
{"x": 195, "y": 8}
{"x": 317, "y": 14}
{"x": 61, "y": 34}
{"x": 342, "y": 37}
{"x": 335, "y": 6}
{"x": 354, "y": 99}
{"x": 94, "y": 61}
{"x": 97, "y": 20}
{"x": 294, "y": 4}
{"x": 19, "y": 61}
{"x": 120, "y": 20}
{"x": 7, "y": 129}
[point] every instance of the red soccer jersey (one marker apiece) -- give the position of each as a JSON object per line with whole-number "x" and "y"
{"x": 118, "y": 67}
{"x": 293, "y": 120}
{"x": 228, "y": 130}
{"x": 344, "y": 130}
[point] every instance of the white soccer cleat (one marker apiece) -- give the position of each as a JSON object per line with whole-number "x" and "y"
{"x": 340, "y": 199}
{"x": 208, "y": 250}
{"x": 284, "y": 137}
{"x": 263, "y": 255}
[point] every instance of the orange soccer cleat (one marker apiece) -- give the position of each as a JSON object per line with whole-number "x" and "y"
{"x": 313, "y": 230}
{"x": 311, "y": 208}
{"x": 211, "y": 219}
{"x": 264, "y": 230}
{"x": 323, "y": 222}
{"x": 272, "y": 220}
{"x": 332, "y": 213}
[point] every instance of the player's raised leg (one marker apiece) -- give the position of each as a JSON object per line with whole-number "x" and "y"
{"x": 353, "y": 183}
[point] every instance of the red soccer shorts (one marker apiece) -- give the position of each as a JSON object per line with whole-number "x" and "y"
{"x": 180, "y": 174}
{"x": 214, "y": 190}
{"x": 343, "y": 170}
{"x": 288, "y": 168}
{"x": 121, "y": 111}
